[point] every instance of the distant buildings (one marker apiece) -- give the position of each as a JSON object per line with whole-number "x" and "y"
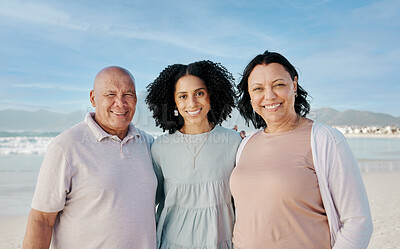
{"x": 361, "y": 130}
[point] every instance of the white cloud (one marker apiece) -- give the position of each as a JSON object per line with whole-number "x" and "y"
{"x": 39, "y": 13}
{"x": 52, "y": 86}
{"x": 202, "y": 30}
{"x": 327, "y": 41}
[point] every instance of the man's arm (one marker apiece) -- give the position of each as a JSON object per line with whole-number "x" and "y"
{"x": 39, "y": 230}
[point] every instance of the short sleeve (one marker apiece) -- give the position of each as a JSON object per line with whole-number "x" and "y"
{"x": 54, "y": 181}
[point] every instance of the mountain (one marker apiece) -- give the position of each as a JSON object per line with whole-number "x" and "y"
{"x": 46, "y": 121}
{"x": 41, "y": 120}
{"x": 353, "y": 117}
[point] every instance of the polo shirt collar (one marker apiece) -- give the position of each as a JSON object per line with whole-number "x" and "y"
{"x": 100, "y": 134}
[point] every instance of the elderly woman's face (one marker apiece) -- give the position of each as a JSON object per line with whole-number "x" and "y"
{"x": 272, "y": 92}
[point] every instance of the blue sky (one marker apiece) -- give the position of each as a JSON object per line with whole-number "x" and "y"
{"x": 347, "y": 52}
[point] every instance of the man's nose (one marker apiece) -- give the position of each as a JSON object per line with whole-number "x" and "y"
{"x": 120, "y": 100}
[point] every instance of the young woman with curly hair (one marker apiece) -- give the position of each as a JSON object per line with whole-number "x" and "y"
{"x": 194, "y": 161}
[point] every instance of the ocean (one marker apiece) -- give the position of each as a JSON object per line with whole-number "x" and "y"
{"x": 376, "y": 154}
{"x": 21, "y": 154}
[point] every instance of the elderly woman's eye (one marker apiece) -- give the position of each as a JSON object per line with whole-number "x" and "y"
{"x": 280, "y": 84}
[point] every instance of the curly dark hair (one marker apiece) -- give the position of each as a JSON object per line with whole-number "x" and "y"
{"x": 219, "y": 83}
{"x": 301, "y": 105}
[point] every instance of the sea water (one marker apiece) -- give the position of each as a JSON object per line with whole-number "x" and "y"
{"x": 21, "y": 154}
{"x": 376, "y": 154}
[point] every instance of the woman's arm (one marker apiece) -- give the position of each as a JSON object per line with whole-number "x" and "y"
{"x": 350, "y": 198}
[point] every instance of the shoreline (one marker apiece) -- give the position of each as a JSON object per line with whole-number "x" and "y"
{"x": 372, "y": 135}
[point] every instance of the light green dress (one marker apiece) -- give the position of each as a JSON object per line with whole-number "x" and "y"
{"x": 195, "y": 208}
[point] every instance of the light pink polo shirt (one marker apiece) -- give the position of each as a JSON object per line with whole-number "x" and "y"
{"x": 102, "y": 187}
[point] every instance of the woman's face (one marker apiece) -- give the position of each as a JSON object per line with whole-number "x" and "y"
{"x": 192, "y": 99}
{"x": 272, "y": 92}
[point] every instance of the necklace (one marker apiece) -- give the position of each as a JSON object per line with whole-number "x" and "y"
{"x": 297, "y": 124}
{"x": 194, "y": 154}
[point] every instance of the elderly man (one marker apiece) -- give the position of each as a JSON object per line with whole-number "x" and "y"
{"x": 96, "y": 187}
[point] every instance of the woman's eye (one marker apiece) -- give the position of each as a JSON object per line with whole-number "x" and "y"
{"x": 200, "y": 93}
{"x": 182, "y": 97}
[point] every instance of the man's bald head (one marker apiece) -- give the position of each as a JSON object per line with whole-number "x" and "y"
{"x": 111, "y": 72}
{"x": 114, "y": 97}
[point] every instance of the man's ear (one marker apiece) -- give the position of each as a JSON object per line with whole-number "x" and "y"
{"x": 92, "y": 98}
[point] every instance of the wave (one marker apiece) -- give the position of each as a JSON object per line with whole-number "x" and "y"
{"x": 24, "y": 145}
{"x": 28, "y": 143}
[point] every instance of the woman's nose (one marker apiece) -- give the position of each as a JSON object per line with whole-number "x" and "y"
{"x": 192, "y": 101}
{"x": 269, "y": 94}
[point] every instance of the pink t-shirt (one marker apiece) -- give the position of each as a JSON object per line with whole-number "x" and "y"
{"x": 276, "y": 194}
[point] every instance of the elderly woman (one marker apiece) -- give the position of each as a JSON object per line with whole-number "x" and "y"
{"x": 296, "y": 183}
{"x": 194, "y": 161}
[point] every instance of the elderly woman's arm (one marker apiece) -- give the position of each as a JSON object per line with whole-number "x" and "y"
{"x": 350, "y": 198}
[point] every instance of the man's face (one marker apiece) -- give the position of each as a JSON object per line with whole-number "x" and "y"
{"x": 114, "y": 97}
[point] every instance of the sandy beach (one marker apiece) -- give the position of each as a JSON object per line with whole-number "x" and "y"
{"x": 382, "y": 191}
{"x": 12, "y": 230}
